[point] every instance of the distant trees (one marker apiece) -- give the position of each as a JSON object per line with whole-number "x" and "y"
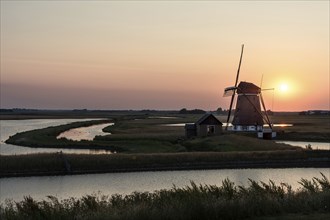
{"x": 221, "y": 111}
{"x": 194, "y": 111}
{"x": 315, "y": 112}
{"x": 6, "y": 110}
{"x": 270, "y": 112}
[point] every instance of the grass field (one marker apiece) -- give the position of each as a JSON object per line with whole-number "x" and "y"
{"x": 57, "y": 163}
{"x": 305, "y": 127}
{"x": 146, "y": 133}
{"x": 145, "y": 141}
{"x": 261, "y": 201}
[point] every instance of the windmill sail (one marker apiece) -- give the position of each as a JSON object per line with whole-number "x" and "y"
{"x": 248, "y": 115}
{"x": 236, "y": 81}
{"x": 229, "y": 91}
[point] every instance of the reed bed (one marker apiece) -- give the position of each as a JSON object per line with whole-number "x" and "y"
{"x": 56, "y": 163}
{"x": 227, "y": 201}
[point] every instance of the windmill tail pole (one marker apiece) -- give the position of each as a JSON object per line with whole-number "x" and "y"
{"x": 229, "y": 110}
{"x": 267, "y": 118}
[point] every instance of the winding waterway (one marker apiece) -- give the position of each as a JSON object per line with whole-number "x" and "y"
{"x": 11, "y": 127}
{"x": 125, "y": 183}
{"x": 85, "y": 133}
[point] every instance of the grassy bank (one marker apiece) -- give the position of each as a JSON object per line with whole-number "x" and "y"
{"x": 315, "y": 128}
{"x": 47, "y": 137}
{"x": 145, "y": 135}
{"x": 61, "y": 164}
{"x": 227, "y": 201}
{"x": 146, "y": 142}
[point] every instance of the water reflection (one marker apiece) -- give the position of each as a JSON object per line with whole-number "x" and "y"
{"x": 85, "y": 133}
{"x": 126, "y": 183}
{"x": 11, "y": 127}
{"x": 303, "y": 144}
{"x": 225, "y": 124}
{"x": 162, "y": 117}
{"x": 280, "y": 125}
{"x": 175, "y": 125}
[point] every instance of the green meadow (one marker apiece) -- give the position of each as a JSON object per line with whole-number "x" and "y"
{"x": 146, "y": 142}
{"x": 151, "y": 133}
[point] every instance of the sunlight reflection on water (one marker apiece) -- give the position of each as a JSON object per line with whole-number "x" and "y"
{"x": 126, "y": 183}
{"x": 303, "y": 144}
{"x": 224, "y": 124}
{"x": 85, "y": 133}
{"x": 11, "y": 127}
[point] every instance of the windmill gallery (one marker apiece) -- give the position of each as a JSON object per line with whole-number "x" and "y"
{"x": 248, "y": 115}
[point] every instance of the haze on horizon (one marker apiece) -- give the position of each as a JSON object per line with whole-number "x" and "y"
{"x": 162, "y": 55}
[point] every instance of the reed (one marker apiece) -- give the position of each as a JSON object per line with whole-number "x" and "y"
{"x": 227, "y": 201}
{"x": 37, "y": 164}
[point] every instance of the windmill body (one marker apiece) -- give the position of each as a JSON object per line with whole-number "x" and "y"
{"x": 247, "y": 115}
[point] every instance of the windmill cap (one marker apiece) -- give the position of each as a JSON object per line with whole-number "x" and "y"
{"x": 246, "y": 87}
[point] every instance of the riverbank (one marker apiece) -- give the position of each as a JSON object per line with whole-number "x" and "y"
{"x": 145, "y": 144}
{"x": 257, "y": 200}
{"x": 71, "y": 164}
{"x": 47, "y": 137}
{"x": 148, "y": 135}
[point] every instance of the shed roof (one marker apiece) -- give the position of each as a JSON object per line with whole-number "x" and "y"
{"x": 208, "y": 118}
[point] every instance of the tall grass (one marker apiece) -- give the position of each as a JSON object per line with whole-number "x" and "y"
{"x": 227, "y": 201}
{"x": 55, "y": 163}
{"x": 41, "y": 164}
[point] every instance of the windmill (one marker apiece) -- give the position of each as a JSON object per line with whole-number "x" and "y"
{"x": 248, "y": 115}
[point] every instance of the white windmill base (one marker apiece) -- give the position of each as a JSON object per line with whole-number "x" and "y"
{"x": 267, "y": 133}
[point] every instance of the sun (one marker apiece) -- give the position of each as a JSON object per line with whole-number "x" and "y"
{"x": 284, "y": 87}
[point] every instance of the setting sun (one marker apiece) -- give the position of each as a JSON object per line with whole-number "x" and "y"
{"x": 137, "y": 55}
{"x": 284, "y": 87}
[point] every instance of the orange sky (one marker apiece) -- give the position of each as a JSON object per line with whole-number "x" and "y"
{"x": 162, "y": 55}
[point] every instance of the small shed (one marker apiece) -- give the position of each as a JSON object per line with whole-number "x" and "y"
{"x": 191, "y": 130}
{"x": 207, "y": 125}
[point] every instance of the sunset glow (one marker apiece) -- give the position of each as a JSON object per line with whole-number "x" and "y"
{"x": 284, "y": 87}
{"x": 162, "y": 54}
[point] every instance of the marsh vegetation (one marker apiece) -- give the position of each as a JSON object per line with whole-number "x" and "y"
{"x": 258, "y": 200}
{"x": 146, "y": 134}
{"x": 143, "y": 142}
{"x": 57, "y": 163}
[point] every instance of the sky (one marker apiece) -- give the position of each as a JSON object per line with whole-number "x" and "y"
{"x": 164, "y": 55}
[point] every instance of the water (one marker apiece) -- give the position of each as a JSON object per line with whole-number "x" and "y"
{"x": 125, "y": 183}
{"x": 229, "y": 125}
{"x": 162, "y": 117}
{"x": 85, "y": 133}
{"x": 282, "y": 125}
{"x": 11, "y": 127}
{"x": 175, "y": 125}
{"x": 303, "y": 144}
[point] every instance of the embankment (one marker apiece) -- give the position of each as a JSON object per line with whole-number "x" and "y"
{"x": 69, "y": 164}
